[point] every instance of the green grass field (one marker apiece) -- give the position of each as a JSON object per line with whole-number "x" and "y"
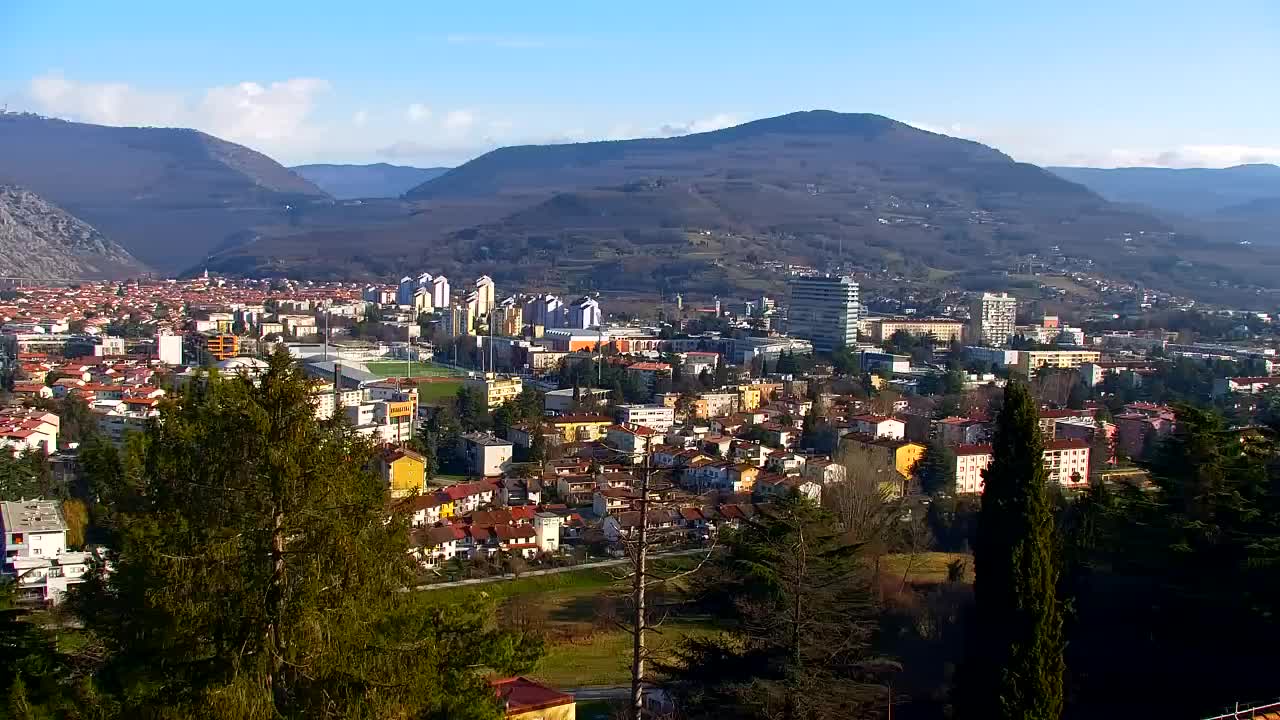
{"x": 438, "y": 392}
{"x": 409, "y": 368}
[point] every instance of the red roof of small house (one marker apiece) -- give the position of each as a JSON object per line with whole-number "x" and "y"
{"x": 521, "y": 695}
{"x": 972, "y": 450}
{"x": 1065, "y": 444}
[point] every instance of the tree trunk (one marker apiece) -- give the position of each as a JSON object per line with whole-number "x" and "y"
{"x": 275, "y": 611}
{"x": 638, "y": 601}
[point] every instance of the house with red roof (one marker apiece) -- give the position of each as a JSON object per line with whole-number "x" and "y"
{"x": 524, "y": 699}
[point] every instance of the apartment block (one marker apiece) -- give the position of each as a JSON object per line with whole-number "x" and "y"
{"x": 992, "y": 319}
{"x": 824, "y": 310}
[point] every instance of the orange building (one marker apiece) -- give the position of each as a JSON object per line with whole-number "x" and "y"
{"x": 222, "y": 346}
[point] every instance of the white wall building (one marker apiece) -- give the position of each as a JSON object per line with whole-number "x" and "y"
{"x": 824, "y": 310}
{"x": 993, "y": 319}
{"x": 584, "y": 313}
{"x": 657, "y": 417}
{"x": 169, "y": 349}
{"x": 33, "y": 538}
{"x": 1066, "y": 460}
{"x": 440, "y": 292}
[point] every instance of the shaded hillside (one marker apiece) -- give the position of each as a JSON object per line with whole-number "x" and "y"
{"x": 39, "y": 240}
{"x": 700, "y": 213}
{"x": 1191, "y": 191}
{"x": 379, "y": 180}
{"x": 165, "y": 194}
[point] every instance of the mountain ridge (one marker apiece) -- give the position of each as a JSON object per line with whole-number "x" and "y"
{"x": 373, "y": 180}
{"x": 41, "y": 241}
{"x": 1187, "y": 191}
{"x": 165, "y": 194}
{"x": 814, "y": 187}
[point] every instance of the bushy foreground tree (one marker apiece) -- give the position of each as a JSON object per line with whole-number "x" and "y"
{"x": 258, "y": 575}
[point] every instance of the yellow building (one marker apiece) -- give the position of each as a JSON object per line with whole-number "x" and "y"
{"x": 498, "y": 389}
{"x": 744, "y": 476}
{"x": 1030, "y": 361}
{"x": 940, "y": 329}
{"x": 404, "y": 471}
{"x": 749, "y": 397}
{"x": 895, "y": 460}
{"x": 581, "y": 428}
{"x": 524, "y": 699}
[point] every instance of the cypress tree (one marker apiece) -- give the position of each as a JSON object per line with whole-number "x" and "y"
{"x": 1014, "y": 664}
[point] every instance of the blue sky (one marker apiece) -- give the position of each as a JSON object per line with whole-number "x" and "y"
{"x": 1105, "y": 83}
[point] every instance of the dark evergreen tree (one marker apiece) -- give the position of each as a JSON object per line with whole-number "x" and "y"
{"x": 1014, "y": 665}
{"x": 257, "y": 574}
{"x": 801, "y": 614}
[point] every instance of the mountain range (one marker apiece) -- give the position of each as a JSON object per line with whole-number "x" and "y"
{"x": 1203, "y": 192}
{"x": 379, "y": 180}
{"x": 694, "y": 213}
{"x": 40, "y": 241}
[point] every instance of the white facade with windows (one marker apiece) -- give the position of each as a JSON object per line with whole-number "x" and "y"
{"x": 824, "y": 310}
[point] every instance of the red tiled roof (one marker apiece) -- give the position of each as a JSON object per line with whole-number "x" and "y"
{"x": 972, "y": 450}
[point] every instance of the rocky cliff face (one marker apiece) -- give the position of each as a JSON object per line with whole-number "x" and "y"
{"x": 39, "y": 240}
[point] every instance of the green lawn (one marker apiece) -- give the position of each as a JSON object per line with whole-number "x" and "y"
{"x": 929, "y": 567}
{"x": 435, "y": 393}
{"x": 604, "y": 658}
{"x": 409, "y": 368}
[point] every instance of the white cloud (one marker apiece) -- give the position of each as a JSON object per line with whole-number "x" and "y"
{"x": 458, "y": 120}
{"x": 1188, "y": 156}
{"x": 360, "y": 118}
{"x": 249, "y": 111}
{"x": 244, "y": 112}
{"x": 105, "y": 103}
{"x": 715, "y": 122}
{"x": 508, "y": 42}
{"x": 418, "y": 112}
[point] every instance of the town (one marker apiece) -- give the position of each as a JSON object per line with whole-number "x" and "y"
{"x": 529, "y": 432}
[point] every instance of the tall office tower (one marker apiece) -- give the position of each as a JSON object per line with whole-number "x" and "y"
{"x": 424, "y": 280}
{"x": 992, "y": 319}
{"x": 404, "y": 291}
{"x": 440, "y": 292}
{"x": 824, "y": 310}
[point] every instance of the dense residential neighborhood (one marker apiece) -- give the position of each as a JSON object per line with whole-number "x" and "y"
{"x": 520, "y": 433}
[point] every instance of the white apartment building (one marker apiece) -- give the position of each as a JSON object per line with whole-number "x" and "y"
{"x": 584, "y": 313}
{"x": 657, "y": 417}
{"x": 879, "y": 426}
{"x": 993, "y": 319}
{"x": 486, "y": 454}
{"x": 486, "y": 298}
{"x": 440, "y": 292}
{"x": 33, "y": 538}
{"x": 824, "y": 310}
{"x": 1066, "y": 460}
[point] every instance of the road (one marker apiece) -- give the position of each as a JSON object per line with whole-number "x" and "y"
{"x": 552, "y": 571}
{"x": 600, "y": 692}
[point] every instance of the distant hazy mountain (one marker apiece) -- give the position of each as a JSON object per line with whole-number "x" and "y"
{"x": 652, "y": 213}
{"x": 1193, "y": 191}
{"x": 39, "y": 240}
{"x": 167, "y": 195}
{"x": 379, "y": 180}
